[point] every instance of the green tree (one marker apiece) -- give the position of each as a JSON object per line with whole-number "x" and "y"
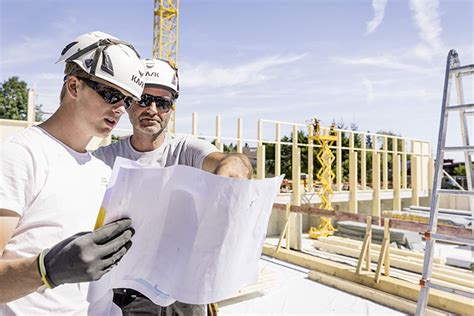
{"x": 14, "y": 100}
{"x": 461, "y": 170}
{"x": 114, "y": 138}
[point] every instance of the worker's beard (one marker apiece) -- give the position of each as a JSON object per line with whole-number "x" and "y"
{"x": 155, "y": 125}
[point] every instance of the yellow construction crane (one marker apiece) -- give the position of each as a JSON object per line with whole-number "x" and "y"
{"x": 165, "y": 31}
{"x": 325, "y": 175}
{"x": 165, "y": 38}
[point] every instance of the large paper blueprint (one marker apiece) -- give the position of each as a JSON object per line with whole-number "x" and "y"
{"x": 198, "y": 235}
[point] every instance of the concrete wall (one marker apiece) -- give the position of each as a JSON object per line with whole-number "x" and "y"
{"x": 456, "y": 202}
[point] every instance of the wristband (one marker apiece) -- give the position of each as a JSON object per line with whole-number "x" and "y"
{"x": 42, "y": 269}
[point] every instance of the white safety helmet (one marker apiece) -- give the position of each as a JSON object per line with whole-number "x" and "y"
{"x": 105, "y": 56}
{"x": 159, "y": 73}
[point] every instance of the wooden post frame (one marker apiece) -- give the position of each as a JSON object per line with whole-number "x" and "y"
{"x": 397, "y": 201}
{"x": 365, "y": 251}
{"x": 363, "y": 161}
{"x": 339, "y": 161}
{"x": 261, "y": 162}
{"x": 310, "y": 159}
{"x": 277, "y": 149}
{"x": 353, "y": 181}
{"x": 239, "y": 135}
{"x": 385, "y": 163}
{"x": 194, "y": 124}
{"x": 384, "y": 257}
{"x": 285, "y": 233}
{"x": 376, "y": 208}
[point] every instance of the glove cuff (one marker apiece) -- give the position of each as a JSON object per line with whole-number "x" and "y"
{"x": 42, "y": 270}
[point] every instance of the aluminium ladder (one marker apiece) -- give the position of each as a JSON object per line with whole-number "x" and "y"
{"x": 454, "y": 71}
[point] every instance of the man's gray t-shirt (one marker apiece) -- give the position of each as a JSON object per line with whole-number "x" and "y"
{"x": 178, "y": 150}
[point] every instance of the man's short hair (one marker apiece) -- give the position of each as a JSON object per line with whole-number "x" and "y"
{"x": 72, "y": 69}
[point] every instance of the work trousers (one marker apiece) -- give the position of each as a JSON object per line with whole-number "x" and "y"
{"x": 134, "y": 303}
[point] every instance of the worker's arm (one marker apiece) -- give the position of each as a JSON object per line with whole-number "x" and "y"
{"x": 229, "y": 165}
{"x": 84, "y": 257}
{"x": 18, "y": 277}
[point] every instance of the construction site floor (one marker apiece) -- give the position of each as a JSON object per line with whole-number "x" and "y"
{"x": 293, "y": 293}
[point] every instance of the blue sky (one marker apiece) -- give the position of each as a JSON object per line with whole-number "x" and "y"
{"x": 376, "y": 63}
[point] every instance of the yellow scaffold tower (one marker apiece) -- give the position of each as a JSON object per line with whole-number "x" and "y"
{"x": 325, "y": 175}
{"x": 165, "y": 38}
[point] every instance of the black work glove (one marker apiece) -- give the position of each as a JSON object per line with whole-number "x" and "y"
{"x": 87, "y": 256}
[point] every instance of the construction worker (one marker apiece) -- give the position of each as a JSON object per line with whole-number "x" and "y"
{"x": 51, "y": 188}
{"x": 150, "y": 144}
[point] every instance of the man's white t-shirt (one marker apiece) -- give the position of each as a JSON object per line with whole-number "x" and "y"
{"x": 178, "y": 150}
{"x": 57, "y": 192}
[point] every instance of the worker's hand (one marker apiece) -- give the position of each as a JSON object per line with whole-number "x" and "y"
{"x": 87, "y": 256}
{"x": 235, "y": 166}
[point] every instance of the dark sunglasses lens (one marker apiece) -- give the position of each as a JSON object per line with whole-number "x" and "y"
{"x": 111, "y": 97}
{"x": 144, "y": 101}
{"x": 163, "y": 103}
{"x": 109, "y": 94}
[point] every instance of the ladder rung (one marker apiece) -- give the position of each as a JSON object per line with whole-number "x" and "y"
{"x": 449, "y": 238}
{"x": 432, "y": 285}
{"x": 459, "y": 148}
{"x": 460, "y": 107}
{"x": 456, "y": 192}
{"x": 465, "y": 70}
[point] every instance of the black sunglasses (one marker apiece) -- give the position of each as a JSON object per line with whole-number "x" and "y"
{"x": 164, "y": 104}
{"x": 109, "y": 94}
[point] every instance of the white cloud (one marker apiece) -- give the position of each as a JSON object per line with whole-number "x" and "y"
{"x": 369, "y": 87}
{"x": 388, "y": 62}
{"x": 210, "y": 76}
{"x": 28, "y": 51}
{"x": 426, "y": 16}
{"x": 379, "y": 12}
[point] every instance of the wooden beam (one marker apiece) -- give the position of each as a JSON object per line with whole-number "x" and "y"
{"x": 438, "y": 299}
{"x": 402, "y": 263}
{"x": 194, "y": 124}
{"x": 239, "y": 135}
{"x": 310, "y": 159}
{"x": 380, "y": 297}
{"x": 404, "y": 164}
{"x": 296, "y": 220}
{"x": 384, "y": 257}
{"x": 261, "y": 162}
{"x": 365, "y": 250}
{"x": 442, "y": 229}
{"x": 415, "y": 199}
{"x": 285, "y": 232}
{"x": 347, "y": 242}
{"x": 353, "y": 181}
{"x": 397, "y": 200}
{"x": 277, "y": 149}
{"x": 363, "y": 161}
{"x": 339, "y": 161}
{"x": 376, "y": 207}
{"x": 385, "y": 163}
{"x": 394, "y": 223}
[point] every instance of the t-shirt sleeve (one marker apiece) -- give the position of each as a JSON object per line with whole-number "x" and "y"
{"x": 195, "y": 150}
{"x": 16, "y": 177}
{"x": 105, "y": 154}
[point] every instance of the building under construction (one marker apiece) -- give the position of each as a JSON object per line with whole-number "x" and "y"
{"x": 362, "y": 224}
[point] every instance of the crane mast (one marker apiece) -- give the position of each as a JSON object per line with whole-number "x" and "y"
{"x": 165, "y": 38}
